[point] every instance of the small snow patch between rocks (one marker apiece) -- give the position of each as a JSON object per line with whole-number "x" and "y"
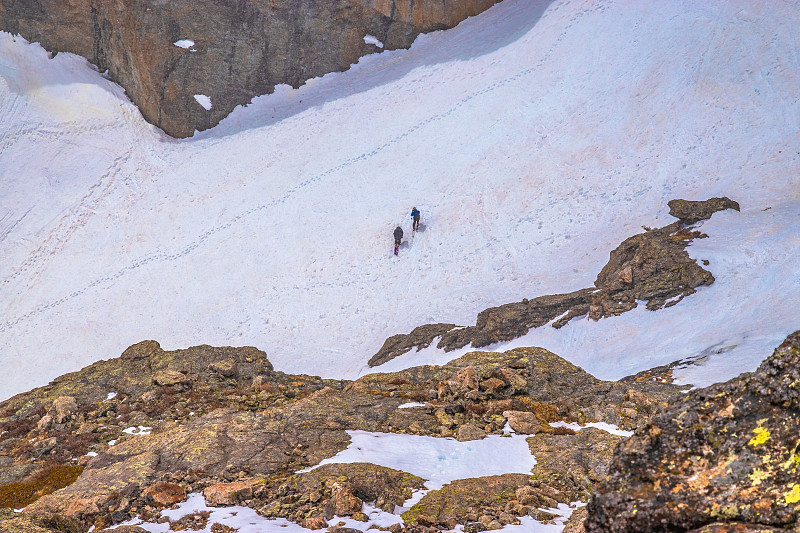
{"x": 610, "y": 428}
{"x": 410, "y": 404}
{"x": 371, "y": 39}
{"x": 141, "y": 430}
{"x": 204, "y": 101}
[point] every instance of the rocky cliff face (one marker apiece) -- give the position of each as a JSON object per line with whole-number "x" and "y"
{"x": 241, "y": 48}
{"x": 726, "y": 459}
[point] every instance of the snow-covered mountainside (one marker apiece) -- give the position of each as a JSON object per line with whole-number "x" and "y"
{"x": 534, "y": 138}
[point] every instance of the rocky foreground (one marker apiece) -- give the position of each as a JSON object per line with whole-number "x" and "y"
{"x": 224, "y": 423}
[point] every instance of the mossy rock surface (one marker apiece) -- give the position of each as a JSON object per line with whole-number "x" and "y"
{"x": 46, "y": 481}
{"x": 468, "y": 500}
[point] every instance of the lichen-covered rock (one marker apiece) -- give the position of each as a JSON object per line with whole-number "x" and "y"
{"x": 469, "y": 432}
{"x": 169, "y": 377}
{"x": 334, "y": 489}
{"x": 527, "y": 422}
{"x": 481, "y": 499}
{"x": 96, "y": 488}
{"x": 575, "y": 522}
{"x": 572, "y": 463}
{"x": 738, "y": 527}
{"x": 62, "y": 408}
{"x": 226, "y": 367}
{"x": 729, "y": 453}
{"x": 13, "y": 522}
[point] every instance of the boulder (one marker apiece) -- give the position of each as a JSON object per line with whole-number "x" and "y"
{"x": 228, "y": 493}
{"x": 44, "y": 446}
{"x": 689, "y": 211}
{"x": 62, "y": 408}
{"x": 343, "y": 501}
{"x": 523, "y": 422}
{"x": 170, "y": 377}
{"x": 164, "y": 494}
{"x": 315, "y": 522}
{"x": 469, "y": 432}
{"x": 483, "y": 499}
{"x": 142, "y": 350}
{"x": 225, "y": 367}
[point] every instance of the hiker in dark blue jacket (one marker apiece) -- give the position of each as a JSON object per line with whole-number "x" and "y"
{"x": 415, "y": 218}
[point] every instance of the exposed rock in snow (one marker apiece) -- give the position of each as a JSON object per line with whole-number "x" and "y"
{"x": 653, "y": 267}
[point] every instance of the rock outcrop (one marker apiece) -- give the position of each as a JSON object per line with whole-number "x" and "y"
{"x": 725, "y": 459}
{"x": 689, "y": 212}
{"x": 653, "y": 267}
{"x": 228, "y": 51}
{"x": 240, "y": 436}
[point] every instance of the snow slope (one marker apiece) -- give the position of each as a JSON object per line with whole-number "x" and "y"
{"x": 534, "y": 138}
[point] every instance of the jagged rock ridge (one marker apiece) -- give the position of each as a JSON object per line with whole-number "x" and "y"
{"x": 652, "y": 266}
{"x": 240, "y": 49}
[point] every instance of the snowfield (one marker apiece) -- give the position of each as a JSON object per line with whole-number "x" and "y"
{"x": 533, "y": 138}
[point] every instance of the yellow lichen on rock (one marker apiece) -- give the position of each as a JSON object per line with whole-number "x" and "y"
{"x": 762, "y": 436}
{"x": 793, "y": 496}
{"x": 758, "y": 476}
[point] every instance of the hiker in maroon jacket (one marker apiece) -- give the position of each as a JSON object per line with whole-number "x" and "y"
{"x": 398, "y": 238}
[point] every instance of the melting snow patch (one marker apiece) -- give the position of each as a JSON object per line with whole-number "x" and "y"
{"x": 91, "y": 454}
{"x": 438, "y": 460}
{"x": 410, "y": 404}
{"x": 141, "y": 430}
{"x": 112, "y": 442}
{"x": 377, "y": 517}
{"x": 111, "y": 395}
{"x": 241, "y": 519}
{"x": 371, "y": 39}
{"x": 184, "y": 43}
{"x": 610, "y": 428}
{"x": 204, "y": 101}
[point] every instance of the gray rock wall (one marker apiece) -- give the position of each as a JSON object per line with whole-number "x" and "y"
{"x": 243, "y": 48}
